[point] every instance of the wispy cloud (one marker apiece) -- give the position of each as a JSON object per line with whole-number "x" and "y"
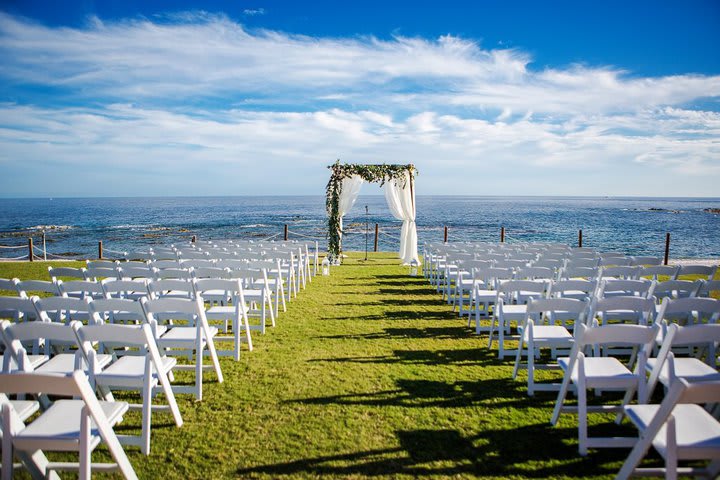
{"x": 200, "y": 92}
{"x": 251, "y": 12}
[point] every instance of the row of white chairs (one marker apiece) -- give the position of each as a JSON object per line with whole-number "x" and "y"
{"x": 228, "y": 303}
{"x": 117, "y": 322}
{"x": 587, "y": 325}
{"x": 31, "y": 346}
{"x": 584, "y": 345}
{"x": 304, "y": 256}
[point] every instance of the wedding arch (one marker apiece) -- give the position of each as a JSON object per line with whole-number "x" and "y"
{"x": 343, "y": 189}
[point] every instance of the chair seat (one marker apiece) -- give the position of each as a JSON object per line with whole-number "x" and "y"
{"x": 58, "y": 428}
{"x": 697, "y": 432}
{"x": 129, "y": 371}
{"x": 485, "y": 295}
{"x": 607, "y": 372}
{"x": 514, "y": 311}
{"x": 550, "y": 334}
{"x": 65, "y": 363}
{"x": 183, "y": 334}
{"x": 221, "y": 311}
{"x": 691, "y": 369}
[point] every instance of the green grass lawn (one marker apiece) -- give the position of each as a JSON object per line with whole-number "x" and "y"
{"x": 368, "y": 374}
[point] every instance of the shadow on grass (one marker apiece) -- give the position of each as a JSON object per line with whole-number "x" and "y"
{"x": 440, "y": 333}
{"x": 470, "y": 356}
{"x": 395, "y": 315}
{"x": 432, "y": 393}
{"x": 446, "y": 452}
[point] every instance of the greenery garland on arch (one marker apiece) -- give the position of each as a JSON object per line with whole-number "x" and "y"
{"x": 369, "y": 173}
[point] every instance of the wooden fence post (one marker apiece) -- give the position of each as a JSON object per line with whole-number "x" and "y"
{"x": 667, "y": 247}
{"x": 377, "y": 233}
{"x": 502, "y": 234}
{"x": 30, "y": 249}
{"x": 446, "y": 234}
{"x": 100, "y": 250}
{"x": 286, "y": 232}
{"x": 580, "y": 238}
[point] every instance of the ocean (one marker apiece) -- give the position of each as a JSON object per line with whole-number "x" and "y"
{"x": 73, "y": 226}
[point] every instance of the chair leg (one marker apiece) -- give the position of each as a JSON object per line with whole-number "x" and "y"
{"x": 582, "y": 420}
{"x": 518, "y": 356}
{"x": 85, "y": 451}
{"x": 146, "y": 414}
{"x": 501, "y": 338}
{"x": 7, "y": 446}
{"x": 671, "y": 458}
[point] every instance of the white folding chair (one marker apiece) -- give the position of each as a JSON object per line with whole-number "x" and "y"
{"x": 702, "y": 340}
{"x": 28, "y": 288}
{"x": 708, "y": 287}
{"x": 707, "y": 271}
{"x": 17, "y": 309}
{"x": 67, "y": 425}
{"x": 135, "y": 272}
{"x": 196, "y": 337}
{"x": 95, "y": 274}
{"x": 274, "y": 281}
{"x": 638, "y": 310}
{"x": 467, "y": 280}
{"x": 676, "y": 289}
{"x": 679, "y": 429}
{"x": 127, "y": 289}
{"x": 81, "y": 289}
{"x": 510, "y": 307}
{"x": 142, "y": 368}
{"x": 67, "y": 272}
{"x": 485, "y": 293}
{"x": 171, "y": 288}
{"x": 16, "y": 356}
{"x": 625, "y": 288}
{"x": 234, "y": 313}
{"x": 606, "y": 373}
{"x": 53, "y": 336}
{"x": 654, "y": 272}
{"x": 256, "y": 289}
{"x": 549, "y": 323}
{"x": 579, "y": 289}
{"x": 62, "y": 309}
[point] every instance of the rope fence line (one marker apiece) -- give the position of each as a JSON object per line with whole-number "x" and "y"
{"x": 391, "y": 235}
{"x": 13, "y": 247}
{"x": 385, "y": 236}
{"x": 305, "y": 236}
{"x": 39, "y": 253}
{"x": 16, "y": 258}
{"x": 271, "y": 237}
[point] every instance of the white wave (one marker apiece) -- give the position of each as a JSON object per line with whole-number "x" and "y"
{"x": 51, "y": 227}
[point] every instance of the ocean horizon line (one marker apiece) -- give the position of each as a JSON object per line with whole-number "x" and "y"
{"x": 594, "y": 197}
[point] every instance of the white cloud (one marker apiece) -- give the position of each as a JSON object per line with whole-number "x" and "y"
{"x": 254, "y": 11}
{"x": 199, "y": 102}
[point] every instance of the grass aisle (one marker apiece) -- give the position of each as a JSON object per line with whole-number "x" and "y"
{"x": 368, "y": 374}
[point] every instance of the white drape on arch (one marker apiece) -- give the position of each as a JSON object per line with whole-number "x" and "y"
{"x": 401, "y": 201}
{"x": 348, "y": 194}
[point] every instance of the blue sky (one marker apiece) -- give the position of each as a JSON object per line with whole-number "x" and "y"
{"x": 232, "y": 98}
